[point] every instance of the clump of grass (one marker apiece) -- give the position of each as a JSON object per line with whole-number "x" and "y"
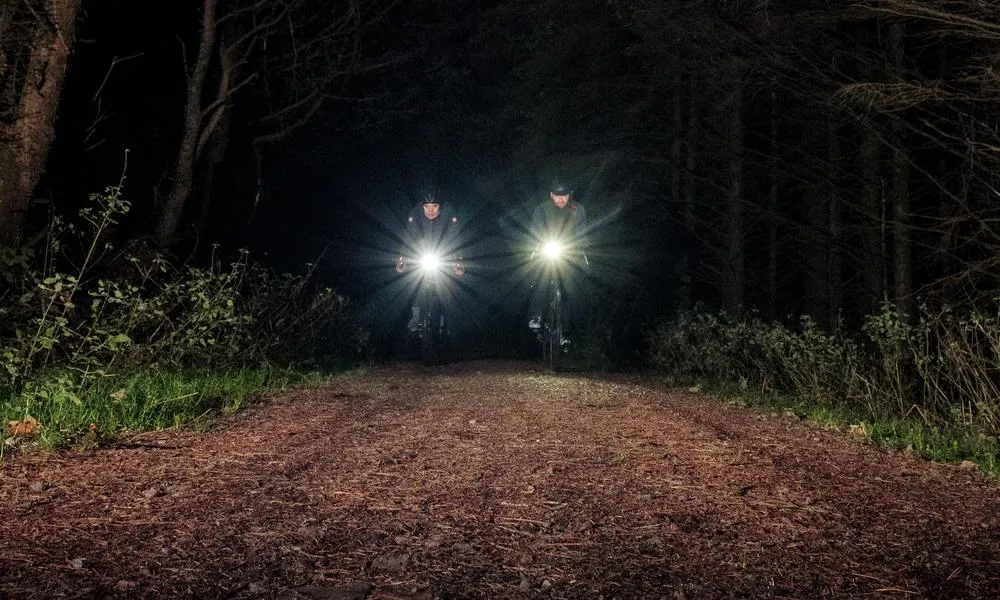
{"x": 142, "y": 401}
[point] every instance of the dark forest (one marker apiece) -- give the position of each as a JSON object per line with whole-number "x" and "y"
{"x": 828, "y": 169}
{"x": 446, "y": 299}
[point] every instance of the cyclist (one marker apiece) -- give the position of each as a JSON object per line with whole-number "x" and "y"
{"x": 431, "y": 227}
{"x": 560, "y": 218}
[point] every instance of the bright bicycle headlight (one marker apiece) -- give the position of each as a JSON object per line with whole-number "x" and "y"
{"x": 430, "y": 262}
{"x": 552, "y": 250}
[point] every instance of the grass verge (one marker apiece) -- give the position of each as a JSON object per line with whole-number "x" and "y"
{"x": 56, "y": 413}
{"x": 952, "y": 444}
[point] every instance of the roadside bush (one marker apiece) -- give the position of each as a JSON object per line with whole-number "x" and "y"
{"x": 957, "y": 359}
{"x": 724, "y": 349}
{"x": 76, "y": 312}
{"x": 697, "y": 345}
{"x": 296, "y": 322}
{"x": 941, "y": 366}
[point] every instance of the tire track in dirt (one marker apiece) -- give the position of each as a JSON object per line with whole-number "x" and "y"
{"x": 496, "y": 480}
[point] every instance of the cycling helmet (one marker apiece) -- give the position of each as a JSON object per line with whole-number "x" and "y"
{"x": 429, "y": 196}
{"x": 561, "y": 187}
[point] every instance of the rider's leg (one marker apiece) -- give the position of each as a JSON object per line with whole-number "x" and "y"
{"x": 419, "y": 308}
{"x": 536, "y": 306}
{"x": 568, "y": 316}
{"x": 438, "y": 317}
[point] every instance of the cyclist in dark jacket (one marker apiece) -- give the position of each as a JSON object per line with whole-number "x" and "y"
{"x": 562, "y": 220}
{"x": 432, "y": 229}
{"x": 560, "y": 217}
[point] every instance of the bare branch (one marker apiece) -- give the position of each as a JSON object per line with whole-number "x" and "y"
{"x": 287, "y": 130}
{"x": 937, "y": 12}
{"x": 114, "y": 62}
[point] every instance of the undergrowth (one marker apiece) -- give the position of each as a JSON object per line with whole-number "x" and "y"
{"x": 97, "y": 339}
{"x": 942, "y": 443}
{"x": 927, "y": 385}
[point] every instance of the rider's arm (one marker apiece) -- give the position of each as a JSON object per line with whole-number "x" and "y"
{"x": 453, "y": 240}
{"x": 580, "y": 233}
{"x": 537, "y": 229}
{"x": 411, "y": 232}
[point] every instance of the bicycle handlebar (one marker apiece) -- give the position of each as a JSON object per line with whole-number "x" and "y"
{"x": 431, "y": 262}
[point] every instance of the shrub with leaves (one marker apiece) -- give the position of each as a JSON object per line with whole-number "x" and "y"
{"x": 297, "y": 321}
{"x": 75, "y": 311}
{"x": 941, "y": 366}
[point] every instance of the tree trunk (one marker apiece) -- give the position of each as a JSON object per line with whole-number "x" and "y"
{"x": 900, "y": 186}
{"x": 691, "y": 143}
{"x": 873, "y": 222}
{"x": 733, "y": 285}
{"x": 183, "y": 177}
{"x": 836, "y": 286}
{"x": 772, "y": 212}
{"x": 677, "y": 188}
{"x": 214, "y": 137}
{"x": 25, "y": 139}
{"x": 824, "y": 286}
{"x": 210, "y": 162}
{"x": 817, "y": 261}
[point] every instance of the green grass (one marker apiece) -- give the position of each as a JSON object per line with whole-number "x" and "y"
{"x": 142, "y": 401}
{"x": 951, "y": 444}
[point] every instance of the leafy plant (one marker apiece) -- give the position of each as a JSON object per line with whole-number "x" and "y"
{"x": 940, "y": 368}
{"x": 77, "y": 315}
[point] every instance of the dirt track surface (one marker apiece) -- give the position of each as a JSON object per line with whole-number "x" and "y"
{"x": 496, "y": 480}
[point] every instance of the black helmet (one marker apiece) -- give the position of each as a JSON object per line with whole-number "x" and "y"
{"x": 429, "y": 196}
{"x": 561, "y": 187}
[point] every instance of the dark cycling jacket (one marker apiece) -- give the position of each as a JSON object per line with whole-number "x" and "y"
{"x": 433, "y": 235}
{"x": 567, "y": 224}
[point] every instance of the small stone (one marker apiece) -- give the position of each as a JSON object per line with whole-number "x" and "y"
{"x": 392, "y": 563}
{"x": 39, "y": 486}
{"x": 255, "y": 588}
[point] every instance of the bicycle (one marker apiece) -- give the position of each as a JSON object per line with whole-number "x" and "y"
{"x": 551, "y": 330}
{"x": 430, "y": 329}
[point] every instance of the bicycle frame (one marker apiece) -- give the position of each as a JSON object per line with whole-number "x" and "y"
{"x": 551, "y": 333}
{"x": 432, "y": 328}
{"x": 432, "y": 320}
